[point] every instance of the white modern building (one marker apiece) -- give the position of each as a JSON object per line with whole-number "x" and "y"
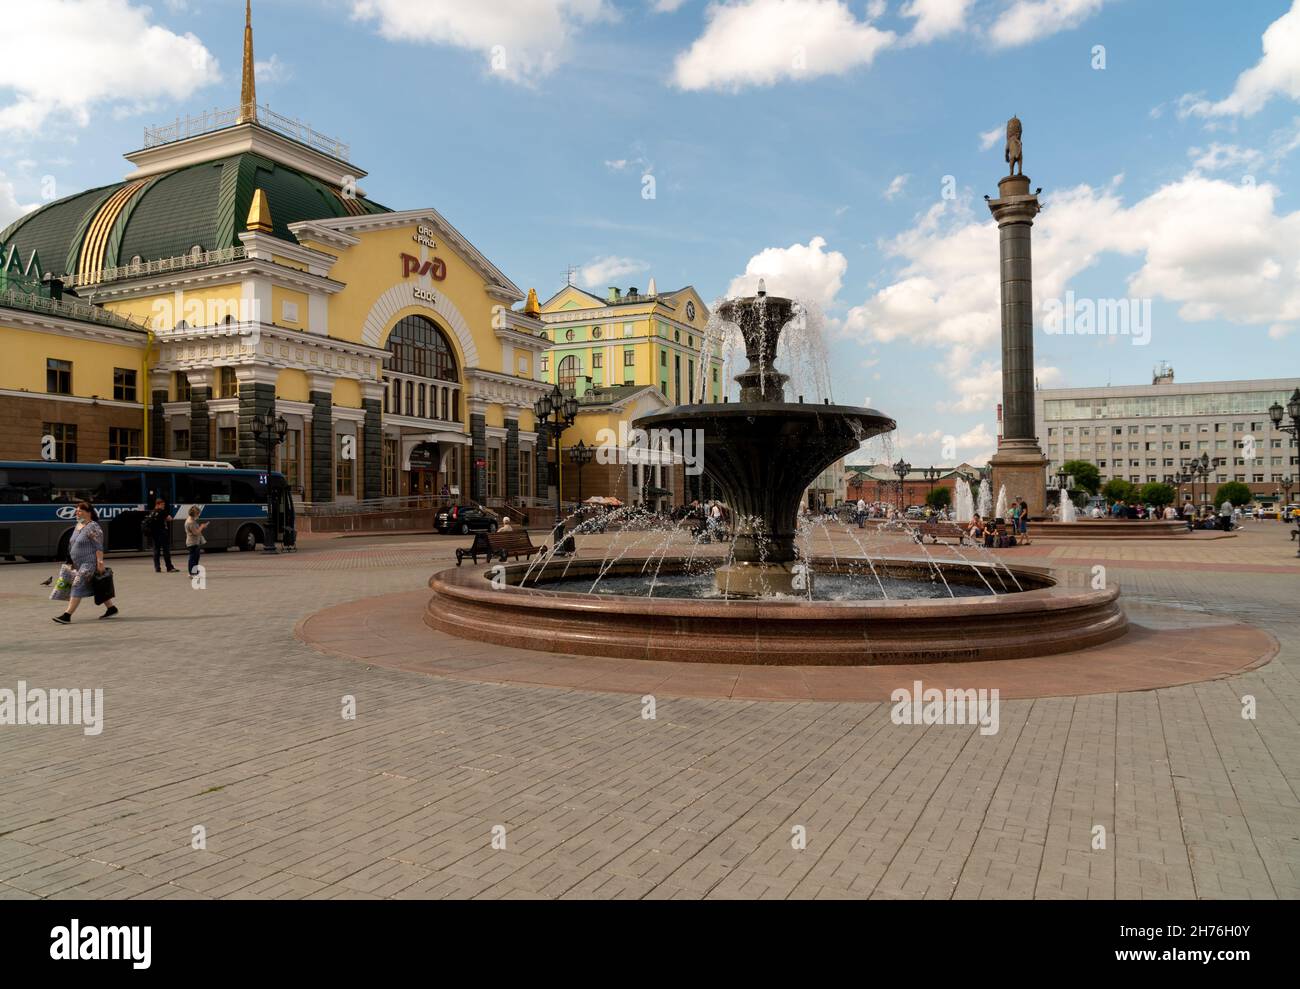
{"x": 1144, "y": 433}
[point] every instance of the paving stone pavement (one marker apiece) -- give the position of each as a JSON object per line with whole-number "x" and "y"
{"x": 216, "y": 717}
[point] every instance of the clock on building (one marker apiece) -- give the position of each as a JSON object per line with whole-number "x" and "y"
{"x": 690, "y": 309}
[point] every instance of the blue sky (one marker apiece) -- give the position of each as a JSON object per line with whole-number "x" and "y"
{"x": 804, "y": 140}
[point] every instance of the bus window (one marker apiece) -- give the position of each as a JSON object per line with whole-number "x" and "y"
{"x": 248, "y": 491}
{"x": 24, "y": 487}
{"x": 75, "y": 485}
{"x": 158, "y": 485}
{"x": 202, "y": 489}
{"x": 99, "y": 487}
{"x": 118, "y": 488}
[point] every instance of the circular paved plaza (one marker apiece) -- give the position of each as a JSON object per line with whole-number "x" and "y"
{"x": 473, "y": 770}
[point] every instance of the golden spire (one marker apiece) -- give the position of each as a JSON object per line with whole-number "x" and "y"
{"x": 248, "y": 91}
{"x": 531, "y": 308}
{"x": 259, "y": 213}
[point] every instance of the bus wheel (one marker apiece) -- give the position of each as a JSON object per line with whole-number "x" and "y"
{"x": 246, "y": 539}
{"x": 64, "y": 545}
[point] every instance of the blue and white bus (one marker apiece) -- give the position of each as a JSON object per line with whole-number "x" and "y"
{"x": 37, "y": 501}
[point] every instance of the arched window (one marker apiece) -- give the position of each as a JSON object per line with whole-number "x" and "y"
{"x": 419, "y": 347}
{"x": 567, "y": 372}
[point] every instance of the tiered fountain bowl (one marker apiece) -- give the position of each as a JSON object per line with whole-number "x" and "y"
{"x": 760, "y": 605}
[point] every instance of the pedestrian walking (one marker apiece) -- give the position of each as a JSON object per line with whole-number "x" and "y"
{"x": 159, "y": 524}
{"x": 86, "y": 553}
{"x": 194, "y": 537}
{"x": 1225, "y": 515}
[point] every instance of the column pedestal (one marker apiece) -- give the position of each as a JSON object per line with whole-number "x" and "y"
{"x": 1021, "y": 466}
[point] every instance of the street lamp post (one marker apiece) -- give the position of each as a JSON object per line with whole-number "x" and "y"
{"x": 580, "y": 456}
{"x": 1292, "y": 411}
{"x": 932, "y": 475}
{"x": 269, "y": 430}
{"x": 555, "y": 413}
{"x": 902, "y": 469}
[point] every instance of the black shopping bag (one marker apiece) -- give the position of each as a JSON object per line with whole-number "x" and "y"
{"x": 102, "y": 585}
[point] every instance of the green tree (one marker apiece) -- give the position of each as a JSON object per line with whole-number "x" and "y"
{"x": 1235, "y": 492}
{"x": 939, "y": 498}
{"x": 1157, "y": 493}
{"x": 1086, "y": 475}
{"x": 1117, "y": 489}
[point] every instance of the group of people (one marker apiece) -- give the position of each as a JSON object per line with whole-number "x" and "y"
{"x": 862, "y": 511}
{"x": 709, "y": 520}
{"x": 1227, "y": 517}
{"x": 1000, "y": 533}
{"x": 83, "y": 575}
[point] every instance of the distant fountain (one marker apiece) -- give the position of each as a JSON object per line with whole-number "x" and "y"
{"x": 965, "y": 505}
{"x": 1001, "y": 512}
{"x": 1068, "y": 511}
{"x": 986, "y": 498}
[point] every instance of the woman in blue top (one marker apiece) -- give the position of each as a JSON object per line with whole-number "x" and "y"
{"x": 86, "y": 551}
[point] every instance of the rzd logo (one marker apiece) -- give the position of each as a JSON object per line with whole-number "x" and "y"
{"x": 435, "y": 268}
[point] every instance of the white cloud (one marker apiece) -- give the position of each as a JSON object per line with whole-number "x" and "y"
{"x": 602, "y": 272}
{"x": 521, "y": 40}
{"x": 761, "y": 42}
{"x": 991, "y": 137}
{"x": 935, "y": 18}
{"x": 1028, "y": 20}
{"x": 10, "y": 207}
{"x": 974, "y": 446}
{"x": 1218, "y": 250}
{"x": 665, "y": 6}
{"x": 807, "y": 272}
{"x": 1277, "y": 73}
{"x": 876, "y": 9}
{"x": 273, "y": 70}
{"x": 65, "y": 58}
{"x": 616, "y": 165}
{"x": 896, "y": 187}
{"x": 1220, "y": 156}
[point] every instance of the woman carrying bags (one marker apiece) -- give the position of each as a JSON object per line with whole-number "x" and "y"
{"x": 86, "y": 552}
{"x": 194, "y": 537}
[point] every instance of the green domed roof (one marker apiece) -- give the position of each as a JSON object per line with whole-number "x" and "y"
{"x": 166, "y": 215}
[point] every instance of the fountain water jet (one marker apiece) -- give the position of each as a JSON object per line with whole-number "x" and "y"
{"x": 763, "y": 452}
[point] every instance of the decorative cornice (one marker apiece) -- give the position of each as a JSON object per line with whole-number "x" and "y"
{"x": 262, "y": 246}
{"x": 247, "y": 344}
{"x": 23, "y": 319}
{"x": 490, "y": 387}
{"x": 220, "y": 274}
{"x": 240, "y": 139}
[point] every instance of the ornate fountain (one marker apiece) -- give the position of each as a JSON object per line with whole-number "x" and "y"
{"x": 755, "y": 602}
{"x": 763, "y": 452}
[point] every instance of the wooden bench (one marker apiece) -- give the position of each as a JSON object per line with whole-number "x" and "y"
{"x": 499, "y": 545}
{"x": 940, "y": 531}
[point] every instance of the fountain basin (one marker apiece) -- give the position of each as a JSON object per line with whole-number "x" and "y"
{"x": 1045, "y": 618}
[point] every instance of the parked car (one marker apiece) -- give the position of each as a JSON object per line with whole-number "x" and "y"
{"x": 466, "y": 518}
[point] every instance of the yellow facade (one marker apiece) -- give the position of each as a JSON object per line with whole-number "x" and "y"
{"x": 634, "y": 339}
{"x": 93, "y": 361}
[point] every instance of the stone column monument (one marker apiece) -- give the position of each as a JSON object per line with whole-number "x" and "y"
{"x": 1019, "y": 462}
